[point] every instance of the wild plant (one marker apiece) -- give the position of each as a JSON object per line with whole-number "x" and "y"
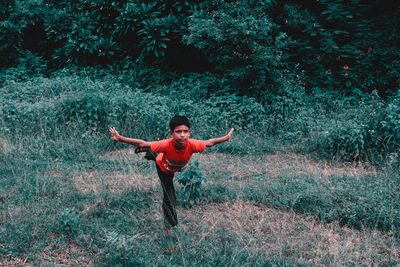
{"x": 191, "y": 180}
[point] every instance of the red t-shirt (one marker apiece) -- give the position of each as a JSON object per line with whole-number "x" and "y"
{"x": 170, "y": 160}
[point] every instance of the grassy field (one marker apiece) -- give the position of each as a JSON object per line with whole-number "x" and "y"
{"x": 107, "y": 210}
{"x": 69, "y": 195}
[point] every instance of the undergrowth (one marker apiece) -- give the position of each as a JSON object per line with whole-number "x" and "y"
{"x": 53, "y": 168}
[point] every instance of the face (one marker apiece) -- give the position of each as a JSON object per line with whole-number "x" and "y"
{"x": 180, "y": 135}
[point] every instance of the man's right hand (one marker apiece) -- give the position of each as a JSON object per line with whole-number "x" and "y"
{"x": 114, "y": 134}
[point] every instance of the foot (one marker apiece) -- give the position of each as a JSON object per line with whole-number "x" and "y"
{"x": 150, "y": 155}
{"x": 169, "y": 241}
{"x": 140, "y": 150}
{"x": 168, "y": 232}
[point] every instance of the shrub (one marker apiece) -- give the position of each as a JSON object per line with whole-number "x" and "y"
{"x": 191, "y": 180}
{"x": 343, "y": 140}
{"x": 386, "y": 129}
{"x": 359, "y": 127}
{"x": 96, "y": 104}
{"x": 69, "y": 220}
{"x": 359, "y": 130}
{"x": 87, "y": 108}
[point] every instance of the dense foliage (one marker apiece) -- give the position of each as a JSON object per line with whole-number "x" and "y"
{"x": 345, "y": 45}
{"x": 93, "y": 32}
{"x": 250, "y": 45}
{"x": 243, "y": 43}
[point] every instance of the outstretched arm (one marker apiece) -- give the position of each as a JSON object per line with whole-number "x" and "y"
{"x": 214, "y": 141}
{"x": 136, "y": 142}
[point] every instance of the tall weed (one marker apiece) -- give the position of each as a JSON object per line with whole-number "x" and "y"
{"x": 355, "y": 128}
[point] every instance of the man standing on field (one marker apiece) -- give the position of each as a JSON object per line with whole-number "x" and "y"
{"x": 174, "y": 154}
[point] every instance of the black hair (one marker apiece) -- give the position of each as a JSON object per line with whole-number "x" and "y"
{"x": 178, "y": 120}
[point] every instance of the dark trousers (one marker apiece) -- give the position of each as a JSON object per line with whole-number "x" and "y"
{"x": 169, "y": 198}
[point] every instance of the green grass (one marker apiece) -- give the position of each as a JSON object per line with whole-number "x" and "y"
{"x": 69, "y": 195}
{"x": 104, "y": 208}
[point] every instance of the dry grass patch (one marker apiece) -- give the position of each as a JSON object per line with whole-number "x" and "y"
{"x": 123, "y": 154}
{"x": 5, "y": 146}
{"x": 271, "y": 232}
{"x": 303, "y": 165}
{"x": 69, "y": 255}
{"x": 244, "y": 168}
{"x": 96, "y": 182}
{"x": 72, "y": 255}
{"x": 240, "y": 166}
{"x": 231, "y": 169}
{"x": 14, "y": 261}
{"x": 53, "y": 173}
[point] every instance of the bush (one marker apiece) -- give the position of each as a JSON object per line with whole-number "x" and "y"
{"x": 355, "y": 128}
{"x": 363, "y": 129}
{"x": 343, "y": 140}
{"x": 191, "y": 180}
